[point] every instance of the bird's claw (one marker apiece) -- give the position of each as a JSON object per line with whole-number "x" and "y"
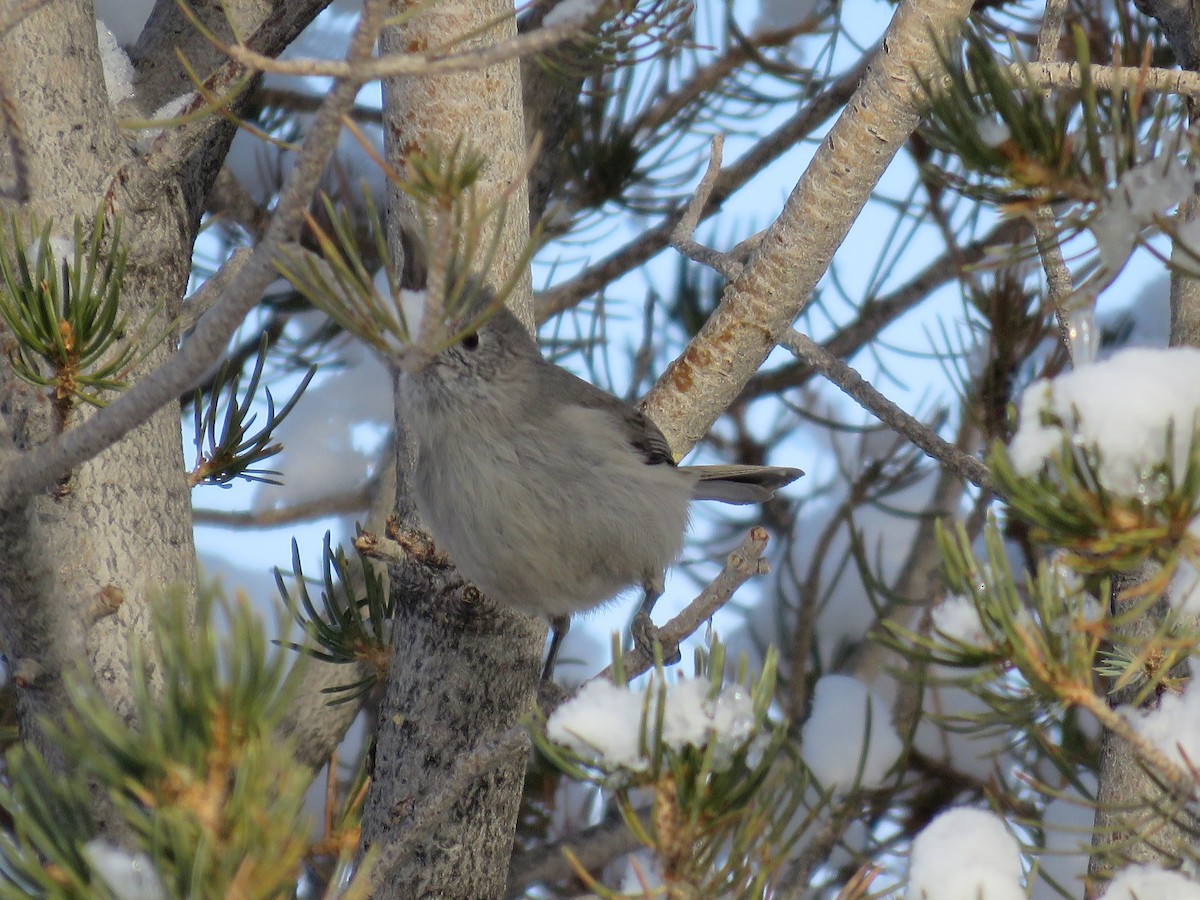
{"x": 646, "y": 634}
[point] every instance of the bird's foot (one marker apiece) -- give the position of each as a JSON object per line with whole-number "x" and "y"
{"x": 646, "y": 634}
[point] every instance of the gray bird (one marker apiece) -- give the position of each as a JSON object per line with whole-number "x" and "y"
{"x": 548, "y": 493}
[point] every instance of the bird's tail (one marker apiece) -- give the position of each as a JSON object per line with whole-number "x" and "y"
{"x": 740, "y": 484}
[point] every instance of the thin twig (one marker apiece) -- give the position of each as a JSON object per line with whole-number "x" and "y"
{"x": 646, "y": 245}
{"x": 863, "y": 393}
{"x": 808, "y": 610}
{"x": 741, "y": 565}
{"x": 1060, "y": 286}
{"x": 422, "y": 64}
{"x": 593, "y": 848}
{"x": 1158, "y": 762}
{"x": 1051, "y": 30}
{"x": 1106, "y": 78}
{"x": 702, "y": 82}
{"x": 333, "y": 505}
{"x": 682, "y": 234}
{"x": 876, "y": 314}
{"x": 818, "y": 847}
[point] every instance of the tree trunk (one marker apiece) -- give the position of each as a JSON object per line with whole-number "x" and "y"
{"x": 449, "y": 761}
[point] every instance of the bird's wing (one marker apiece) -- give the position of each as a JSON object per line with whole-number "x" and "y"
{"x": 642, "y": 434}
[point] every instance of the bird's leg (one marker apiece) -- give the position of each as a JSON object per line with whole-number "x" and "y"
{"x": 645, "y": 633}
{"x": 559, "y": 626}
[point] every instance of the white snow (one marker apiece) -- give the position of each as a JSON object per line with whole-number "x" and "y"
{"x": 975, "y": 755}
{"x": 603, "y": 720}
{"x": 957, "y": 618}
{"x": 993, "y": 132}
{"x": 131, "y": 876}
{"x": 411, "y": 307}
{"x": 836, "y": 742}
{"x": 1151, "y": 883}
{"x": 118, "y": 70}
{"x": 1084, "y": 336}
{"x": 572, "y": 13}
{"x": 165, "y": 113}
{"x": 1184, "y": 591}
{"x": 1121, "y": 406}
{"x": 692, "y": 720}
{"x": 1142, "y": 192}
{"x": 62, "y": 250}
{"x": 1173, "y": 727}
{"x": 965, "y": 853}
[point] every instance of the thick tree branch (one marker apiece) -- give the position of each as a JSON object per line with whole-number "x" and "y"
{"x": 421, "y": 818}
{"x": 875, "y": 314}
{"x": 1049, "y": 74}
{"x": 184, "y": 144}
{"x": 780, "y": 276}
{"x": 740, "y": 566}
{"x": 16, "y": 11}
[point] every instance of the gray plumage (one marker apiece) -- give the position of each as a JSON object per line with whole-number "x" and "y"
{"x": 551, "y": 495}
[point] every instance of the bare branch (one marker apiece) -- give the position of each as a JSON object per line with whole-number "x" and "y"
{"x": 861, "y": 391}
{"x": 681, "y": 235}
{"x": 740, "y": 566}
{"x": 1059, "y": 284}
{"x": 647, "y": 244}
{"x": 1107, "y": 78}
{"x": 333, "y": 505}
{"x": 421, "y": 64}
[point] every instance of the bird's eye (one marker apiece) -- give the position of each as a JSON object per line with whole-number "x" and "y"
{"x": 471, "y": 341}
